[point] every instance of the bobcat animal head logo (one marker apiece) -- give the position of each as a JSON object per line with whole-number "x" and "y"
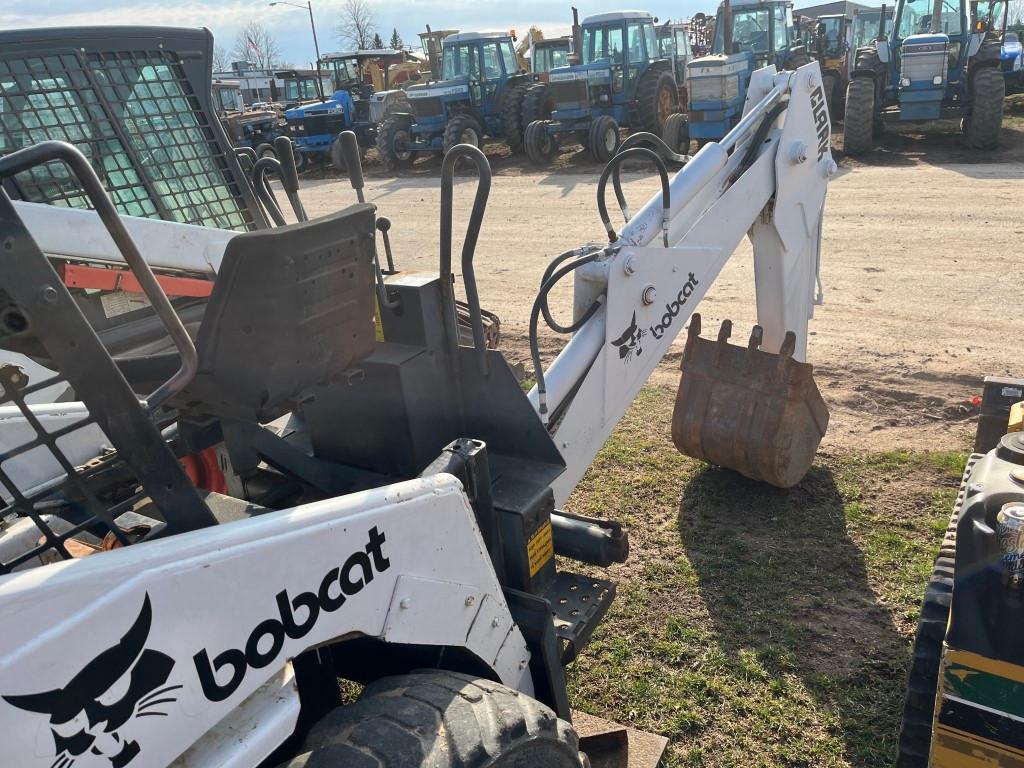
{"x": 90, "y": 715}
{"x": 629, "y": 343}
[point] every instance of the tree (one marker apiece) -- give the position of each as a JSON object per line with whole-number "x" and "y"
{"x": 221, "y": 60}
{"x": 378, "y": 44}
{"x": 357, "y": 25}
{"x": 255, "y": 44}
{"x": 396, "y": 39}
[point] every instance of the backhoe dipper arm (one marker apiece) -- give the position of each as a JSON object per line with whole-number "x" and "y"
{"x": 766, "y": 179}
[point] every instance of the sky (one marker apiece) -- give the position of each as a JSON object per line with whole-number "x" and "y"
{"x": 290, "y": 26}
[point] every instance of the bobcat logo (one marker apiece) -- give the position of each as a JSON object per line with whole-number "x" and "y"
{"x": 89, "y": 715}
{"x": 629, "y": 343}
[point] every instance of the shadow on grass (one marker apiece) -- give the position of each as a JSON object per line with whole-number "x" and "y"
{"x": 786, "y": 586}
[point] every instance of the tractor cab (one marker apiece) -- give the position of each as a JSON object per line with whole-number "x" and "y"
{"x": 300, "y": 86}
{"x": 748, "y": 36}
{"x": 480, "y": 79}
{"x": 253, "y": 128}
{"x": 549, "y": 54}
{"x": 868, "y": 25}
{"x": 832, "y": 38}
{"x": 674, "y": 45}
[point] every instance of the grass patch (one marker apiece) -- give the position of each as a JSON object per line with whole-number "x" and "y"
{"x": 756, "y": 626}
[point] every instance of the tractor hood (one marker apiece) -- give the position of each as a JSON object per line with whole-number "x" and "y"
{"x": 598, "y": 71}
{"x": 456, "y": 87}
{"x": 340, "y": 102}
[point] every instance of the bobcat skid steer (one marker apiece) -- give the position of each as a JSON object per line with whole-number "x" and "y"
{"x": 281, "y": 500}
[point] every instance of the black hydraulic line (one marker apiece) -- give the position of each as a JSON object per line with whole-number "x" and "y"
{"x": 538, "y": 307}
{"x": 47, "y": 151}
{"x": 660, "y": 147}
{"x": 476, "y": 218}
{"x": 759, "y": 137}
{"x": 615, "y": 162}
{"x": 263, "y": 190}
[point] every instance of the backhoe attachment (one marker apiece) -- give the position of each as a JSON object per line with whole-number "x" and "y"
{"x": 746, "y": 409}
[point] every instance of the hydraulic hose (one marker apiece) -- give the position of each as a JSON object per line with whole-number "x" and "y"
{"x": 662, "y": 149}
{"x": 540, "y": 306}
{"x": 263, "y": 190}
{"x": 613, "y": 164}
{"x": 759, "y": 137}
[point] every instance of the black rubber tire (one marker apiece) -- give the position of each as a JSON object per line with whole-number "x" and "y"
{"x": 858, "y": 133}
{"x": 985, "y": 122}
{"x": 540, "y": 145}
{"x": 265, "y": 149}
{"x": 338, "y": 157}
{"x": 797, "y": 60}
{"x": 537, "y": 104}
{"x": 676, "y": 133}
{"x": 392, "y": 133}
{"x": 657, "y": 97}
{"x": 599, "y": 141}
{"x": 303, "y": 161}
{"x": 512, "y": 125}
{"x": 923, "y": 679}
{"x": 441, "y": 720}
{"x": 460, "y": 128}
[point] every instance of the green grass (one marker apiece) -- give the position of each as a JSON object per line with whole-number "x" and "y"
{"x": 755, "y": 626}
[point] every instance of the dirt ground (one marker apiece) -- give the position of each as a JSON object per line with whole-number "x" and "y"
{"x": 920, "y": 269}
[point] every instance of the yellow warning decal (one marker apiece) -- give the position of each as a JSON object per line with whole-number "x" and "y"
{"x": 541, "y": 548}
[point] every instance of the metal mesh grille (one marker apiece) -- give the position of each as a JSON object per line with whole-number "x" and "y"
{"x": 51, "y": 509}
{"x": 569, "y": 93}
{"x": 713, "y": 88}
{"x": 135, "y": 116}
{"x": 923, "y": 66}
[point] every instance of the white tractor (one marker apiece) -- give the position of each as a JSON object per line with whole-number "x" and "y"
{"x": 219, "y": 500}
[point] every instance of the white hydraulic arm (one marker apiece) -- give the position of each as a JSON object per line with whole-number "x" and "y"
{"x": 774, "y": 193}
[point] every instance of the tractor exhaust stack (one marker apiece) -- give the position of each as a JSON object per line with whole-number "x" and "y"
{"x": 577, "y": 37}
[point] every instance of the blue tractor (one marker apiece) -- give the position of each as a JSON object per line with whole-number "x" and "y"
{"x": 935, "y": 64}
{"x": 622, "y": 80}
{"x": 748, "y": 36}
{"x": 315, "y": 126}
{"x": 480, "y": 95}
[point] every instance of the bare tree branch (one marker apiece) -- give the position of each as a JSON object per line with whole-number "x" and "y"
{"x": 221, "y": 60}
{"x": 358, "y": 25}
{"x": 255, "y": 44}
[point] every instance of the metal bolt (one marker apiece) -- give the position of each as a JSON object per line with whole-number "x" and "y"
{"x": 470, "y": 600}
{"x": 628, "y": 266}
{"x": 522, "y": 664}
{"x": 649, "y": 294}
{"x": 404, "y": 603}
{"x": 495, "y": 623}
{"x": 49, "y": 294}
{"x": 1017, "y": 476}
{"x": 798, "y": 152}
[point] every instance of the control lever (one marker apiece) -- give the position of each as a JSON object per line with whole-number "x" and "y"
{"x": 350, "y": 151}
{"x": 263, "y": 191}
{"x": 383, "y": 226}
{"x": 289, "y": 175}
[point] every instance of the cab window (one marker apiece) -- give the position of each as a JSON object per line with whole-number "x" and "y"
{"x": 508, "y": 55}
{"x": 779, "y": 28}
{"x": 460, "y": 61}
{"x": 602, "y": 43}
{"x": 492, "y": 61}
{"x": 637, "y": 53}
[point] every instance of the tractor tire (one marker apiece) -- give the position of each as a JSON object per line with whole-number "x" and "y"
{"x": 338, "y": 157}
{"x": 537, "y": 104}
{"x": 393, "y": 138}
{"x": 604, "y": 138}
{"x": 985, "y": 121}
{"x": 858, "y": 127}
{"x": 512, "y": 125}
{"x": 797, "y": 60}
{"x": 442, "y": 720}
{"x": 676, "y": 133}
{"x": 657, "y": 97}
{"x": 540, "y": 145}
{"x": 265, "y": 150}
{"x": 922, "y": 682}
{"x": 462, "y": 129}
{"x": 303, "y": 161}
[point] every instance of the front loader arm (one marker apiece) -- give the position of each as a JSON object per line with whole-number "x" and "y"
{"x": 775, "y": 194}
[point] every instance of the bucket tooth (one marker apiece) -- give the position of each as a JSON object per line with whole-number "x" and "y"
{"x": 755, "y": 412}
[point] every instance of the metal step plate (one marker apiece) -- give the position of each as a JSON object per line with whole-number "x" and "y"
{"x": 578, "y": 603}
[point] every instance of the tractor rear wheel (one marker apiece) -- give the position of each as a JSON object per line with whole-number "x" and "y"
{"x": 537, "y": 105}
{"x": 540, "y": 145}
{"x": 512, "y": 125}
{"x": 986, "y": 118}
{"x": 604, "y": 138}
{"x": 657, "y": 97}
{"x": 922, "y": 683}
{"x": 858, "y": 126}
{"x": 442, "y": 720}
{"x": 393, "y": 139}
{"x": 676, "y": 133}
{"x": 462, "y": 129}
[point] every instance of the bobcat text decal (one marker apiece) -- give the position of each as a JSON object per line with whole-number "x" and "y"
{"x": 630, "y": 341}
{"x": 337, "y": 584}
{"x": 820, "y": 120}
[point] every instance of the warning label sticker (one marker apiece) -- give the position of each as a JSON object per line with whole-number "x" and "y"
{"x": 540, "y": 548}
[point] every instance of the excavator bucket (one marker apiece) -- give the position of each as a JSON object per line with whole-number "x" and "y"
{"x": 752, "y": 411}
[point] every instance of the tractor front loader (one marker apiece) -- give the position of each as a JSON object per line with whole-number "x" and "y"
{"x": 307, "y": 475}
